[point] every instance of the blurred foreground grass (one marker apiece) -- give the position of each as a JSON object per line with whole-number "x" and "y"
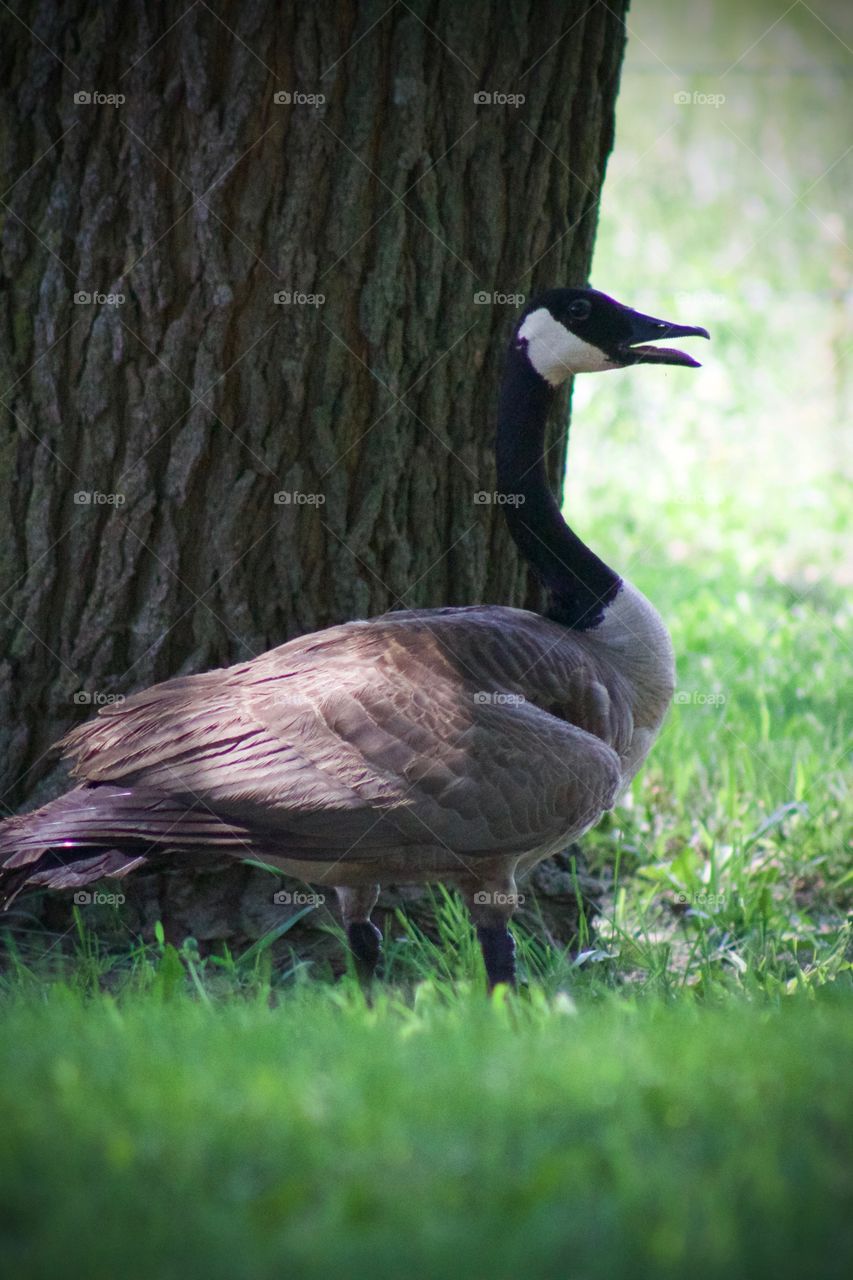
{"x": 159, "y": 1136}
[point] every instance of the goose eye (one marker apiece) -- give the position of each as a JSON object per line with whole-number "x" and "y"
{"x": 580, "y": 309}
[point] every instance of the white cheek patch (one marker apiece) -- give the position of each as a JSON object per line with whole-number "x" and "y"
{"x": 555, "y": 352}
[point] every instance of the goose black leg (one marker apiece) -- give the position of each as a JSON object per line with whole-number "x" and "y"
{"x": 365, "y": 940}
{"x": 491, "y": 902}
{"x": 498, "y": 947}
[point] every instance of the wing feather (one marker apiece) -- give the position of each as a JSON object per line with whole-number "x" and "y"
{"x": 483, "y": 729}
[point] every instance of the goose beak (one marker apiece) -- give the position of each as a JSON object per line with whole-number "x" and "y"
{"x": 644, "y": 329}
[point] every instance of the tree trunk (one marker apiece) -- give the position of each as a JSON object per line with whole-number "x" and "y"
{"x": 246, "y": 382}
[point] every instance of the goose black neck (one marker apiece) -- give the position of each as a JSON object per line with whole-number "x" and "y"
{"x": 580, "y": 585}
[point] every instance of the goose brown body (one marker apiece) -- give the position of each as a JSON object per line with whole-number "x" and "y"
{"x": 458, "y": 744}
{"x": 413, "y": 744}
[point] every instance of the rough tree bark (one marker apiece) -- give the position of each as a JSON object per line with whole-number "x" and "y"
{"x": 181, "y": 405}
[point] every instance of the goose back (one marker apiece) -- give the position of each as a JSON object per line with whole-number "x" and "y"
{"x": 482, "y": 730}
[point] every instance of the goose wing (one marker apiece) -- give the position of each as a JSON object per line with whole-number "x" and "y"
{"x": 439, "y": 727}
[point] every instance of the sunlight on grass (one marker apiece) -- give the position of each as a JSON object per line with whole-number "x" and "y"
{"x": 724, "y": 494}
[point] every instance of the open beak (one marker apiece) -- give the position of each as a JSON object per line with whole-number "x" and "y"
{"x": 645, "y": 329}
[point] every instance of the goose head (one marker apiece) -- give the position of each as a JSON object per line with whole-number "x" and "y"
{"x": 566, "y": 331}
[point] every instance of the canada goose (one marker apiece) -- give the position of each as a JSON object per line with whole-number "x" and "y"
{"x": 460, "y": 745}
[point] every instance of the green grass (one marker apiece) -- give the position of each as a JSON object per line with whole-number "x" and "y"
{"x": 739, "y": 823}
{"x": 672, "y": 1096}
{"x": 159, "y": 1136}
{"x": 722, "y": 493}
